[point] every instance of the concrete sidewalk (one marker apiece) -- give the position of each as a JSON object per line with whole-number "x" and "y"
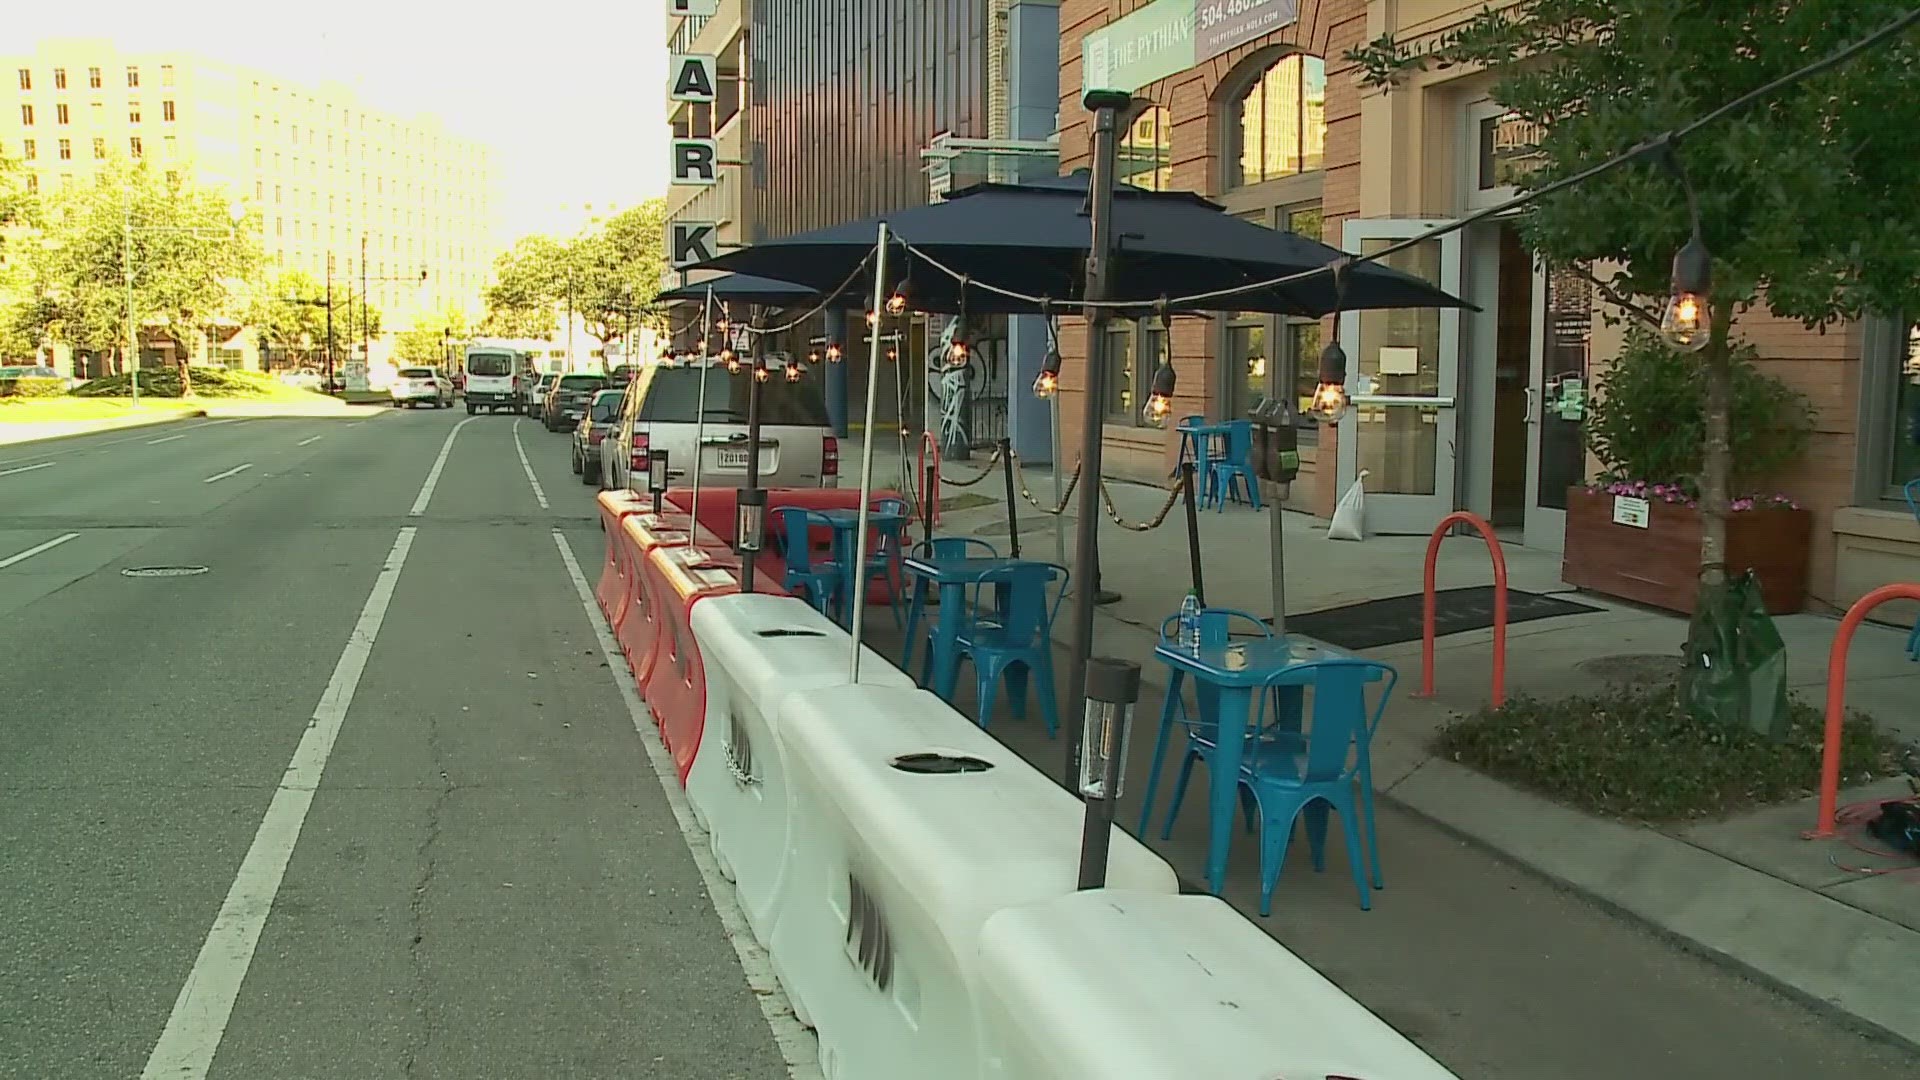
{"x": 22, "y": 432}
{"x": 1746, "y": 890}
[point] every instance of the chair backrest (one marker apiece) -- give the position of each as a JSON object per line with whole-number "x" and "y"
{"x": 955, "y": 547}
{"x": 1341, "y": 716}
{"x": 1240, "y": 442}
{"x": 1216, "y": 625}
{"x": 888, "y": 539}
{"x": 1029, "y": 613}
{"x": 1909, "y": 488}
{"x": 796, "y": 522}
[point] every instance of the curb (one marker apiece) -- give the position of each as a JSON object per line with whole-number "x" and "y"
{"x": 112, "y": 425}
{"x": 1900, "y": 1031}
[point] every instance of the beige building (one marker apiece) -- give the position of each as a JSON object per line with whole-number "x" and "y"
{"x": 328, "y": 175}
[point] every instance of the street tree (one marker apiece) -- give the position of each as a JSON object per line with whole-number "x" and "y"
{"x": 22, "y": 310}
{"x": 1805, "y": 199}
{"x": 528, "y": 279}
{"x": 432, "y": 335}
{"x": 618, "y": 269}
{"x": 291, "y": 315}
{"x": 188, "y": 258}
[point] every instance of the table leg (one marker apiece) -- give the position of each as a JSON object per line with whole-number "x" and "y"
{"x": 1223, "y": 780}
{"x": 916, "y": 607}
{"x": 1168, "y": 710}
{"x": 945, "y": 652}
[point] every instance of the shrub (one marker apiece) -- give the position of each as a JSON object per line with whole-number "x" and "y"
{"x": 212, "y": 382}
{"x": 1648, "y": 420}
{"x": 32, "y": 386}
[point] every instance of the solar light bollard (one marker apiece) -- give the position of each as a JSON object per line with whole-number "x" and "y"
{"x": 657, "y": 479}
{"x": 1113, "y": 688}
{"x": 751, "y": 520}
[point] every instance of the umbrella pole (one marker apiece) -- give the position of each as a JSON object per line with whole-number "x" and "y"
{"x": 1277, "y": 524}
{"x": 866, "y": 455}
{"x": 1106, "y": 106}
{"x": 752, "y": 522}
{"x": 1059, "y": 462}
{"x": 700, "y": 420}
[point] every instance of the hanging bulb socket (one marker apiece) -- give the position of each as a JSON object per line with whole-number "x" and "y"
{"x": 794, "y": 373}
{"x": 1047, "y": 383}
{"x": 1159, "y": 405}
{"x": 897, "y": 303}
{"x": 1687, "y": 321}
{"x": 761, "y": 373}
{"x": 1329, "y": 401}
{"x": 833, "y": 352}
{"x": 873, "y": 318}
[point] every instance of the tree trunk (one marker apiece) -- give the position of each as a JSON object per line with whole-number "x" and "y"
{"x": 1717, "y": 457}
{"x": 185, "y": 366}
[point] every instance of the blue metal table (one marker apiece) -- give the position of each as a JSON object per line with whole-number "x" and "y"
{"x": 845, "y": 522}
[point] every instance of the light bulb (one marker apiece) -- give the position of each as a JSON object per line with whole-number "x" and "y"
{"x": 1159, "y": 404}
{"x": 1329, "y": 402}
{"x": 762, "y": 374}
{"x": 896, "y": 303}
{"x": 1046, "y": 384}
{"x": 873, "y": 318}
{"x": 813, "y": 356}
{"x": 957, "y": 354}
{"x": 893, "y": 354}
{"x": 793, "y": 373}
{"x": 833, "y": 353}
{"x": 1687, "y": 321}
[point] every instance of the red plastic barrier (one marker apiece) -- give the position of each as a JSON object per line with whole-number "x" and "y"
{"x": 612, "y": 592}
{"x": 719, "y": 506}
{"x": 640, "y": 535}
{"x": 676, "y": 690}
{"x": 1461, "y": 517}
{"x": 1837, "y": 697}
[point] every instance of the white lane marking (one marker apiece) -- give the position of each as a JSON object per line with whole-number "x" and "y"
{"x": 201, "y": 1012}
{"x": 305, "y": 442}
{"x": 91, "y": 446}
{"x": 527, "y": 466}
{"x": 157, "y": 442}
{"x": 37, "y": 549}
{"x": 30, "y": 468}
{"x": 235, "y": 471}
{"x": 433, "y": 476}
{"x": 798, "y": 1046}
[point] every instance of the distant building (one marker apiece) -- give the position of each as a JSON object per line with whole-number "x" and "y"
{"x": 327, "y": 174}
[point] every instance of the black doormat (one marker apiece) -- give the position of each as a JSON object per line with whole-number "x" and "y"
{"x": 1397, "y": 618}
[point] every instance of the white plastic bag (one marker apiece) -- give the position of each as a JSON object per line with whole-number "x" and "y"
{"x": 1350, "y": 517}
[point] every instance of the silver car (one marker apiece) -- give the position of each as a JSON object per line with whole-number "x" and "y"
{"x": 797, "y": 445}
{"x": 591, "y": 434}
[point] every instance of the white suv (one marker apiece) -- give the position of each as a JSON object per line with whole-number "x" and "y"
{"x": 421, "y": 386}
{"x": 797, "y": 445}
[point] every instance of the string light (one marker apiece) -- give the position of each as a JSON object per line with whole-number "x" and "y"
{"x": 813, "y": 356}
{"x": 1047, "y": 383}
{"x": 761, "y": 373}
{"x": 1686, "y": 322}
{"x": 833, "y": 352}
{"x": 897, "y": 304}
{"x": 1159, "y": 404}
{"x": 1329, "y": 401}
{"x": 793, "y": 373}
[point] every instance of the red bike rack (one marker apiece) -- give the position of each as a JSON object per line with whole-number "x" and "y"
{"x": 1461, "y": 517}
{"x": 1837, "y": 698}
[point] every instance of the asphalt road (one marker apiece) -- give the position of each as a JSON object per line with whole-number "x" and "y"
{"x": 486, "y": 880}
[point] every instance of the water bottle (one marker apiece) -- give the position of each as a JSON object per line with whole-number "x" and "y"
{"x": 1190, "y": 623}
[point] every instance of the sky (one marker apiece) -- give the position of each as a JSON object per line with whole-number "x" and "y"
{"x": 570, "y": 93}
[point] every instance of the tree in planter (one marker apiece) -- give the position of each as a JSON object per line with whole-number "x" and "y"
{"x": 1804, "y": 199}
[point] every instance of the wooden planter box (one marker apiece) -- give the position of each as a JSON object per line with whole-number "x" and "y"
{"x": 1660, "y": 565}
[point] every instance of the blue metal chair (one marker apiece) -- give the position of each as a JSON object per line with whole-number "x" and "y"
{"x": 1913, "y": 638}
{"x": 941, "y": 547}
{"x": 883, "y": 562}
{"x": 1289, "y": 781}
{"x": 1235, "y": 466}
{"x": 819, "y": 578}
{"x": 1194, "y": 447}
{"x": 1018, "y": 642}
{"x": 1217, "y": 626}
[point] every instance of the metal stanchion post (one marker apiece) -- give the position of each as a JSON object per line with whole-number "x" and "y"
{"x": 1013, "y": 514}
{"x": 1193, "y": 531}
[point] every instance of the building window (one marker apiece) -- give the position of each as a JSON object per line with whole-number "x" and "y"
{"x": 133, "y": 76}
{"x": 29, "y": 150}
{"x": 166, "y": 74}
{"x": 98, "y": 111}
{"x": 166, "y": 111}
{"x": 173, "y": 178}
{"x": 33, "y": 183}
{"x": 26, "y": 79}
{"x": 1899, "y": 364}
{"x": 1146, "y": 153}
{"x": 99, "y": 148}
{"x": 66, "y": 149}
{"x": 134, "y": 147}
{"x": 60, "y": 113}
{"x": 93, "y": 78}
{"x": 59, "y": 78}
{"x": 1278, "y": 127}
{"x": 26, "y": 116}
{"x": 1247, "y": 362}
{"x": 133, "y": 112}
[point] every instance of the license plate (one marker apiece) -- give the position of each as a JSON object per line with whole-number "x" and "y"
{"x": 733, "y": 459}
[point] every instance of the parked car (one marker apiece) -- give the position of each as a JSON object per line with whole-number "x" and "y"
{"x": 413, "y": 386}
{"x": 537, "y": 385}
{"x": 590, "y": 434}
{"x": 567, "y": 399}
{"x": 797, "y": 445}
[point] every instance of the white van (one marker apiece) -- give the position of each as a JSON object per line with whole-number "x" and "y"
{"x": 490, "y": 378}
{"x": 797, "y": 445}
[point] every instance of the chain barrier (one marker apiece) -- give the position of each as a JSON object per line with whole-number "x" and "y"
{"x": 985, "y": 471}
{"x": 1020, "y": 473}
{"x": 1113, "y": 512}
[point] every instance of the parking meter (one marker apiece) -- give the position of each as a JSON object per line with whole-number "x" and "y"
{"x": 1276, "y": 443}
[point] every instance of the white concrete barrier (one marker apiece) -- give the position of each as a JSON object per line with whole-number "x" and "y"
{"x": 1135, "y": 986}
{"x": 892, "y": 874}
{"x": 758, "y": 649}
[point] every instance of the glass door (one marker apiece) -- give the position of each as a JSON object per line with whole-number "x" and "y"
{"x": 1403, "y": 377}
{"x": 1558, "y": 393}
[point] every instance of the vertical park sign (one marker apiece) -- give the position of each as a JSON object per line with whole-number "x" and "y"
{"x": 1168, "y": 37}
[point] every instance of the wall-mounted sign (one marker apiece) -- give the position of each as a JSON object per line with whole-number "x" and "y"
{"x": 1168, "y": 37}
{"x": 690, "y": 242}
{"x": 692, "y": 77}
{"x": 696, "y": 8}
{"x": 696, "y": 162}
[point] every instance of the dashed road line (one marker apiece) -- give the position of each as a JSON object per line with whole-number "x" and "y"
{"x": 37, "y": 549}
{"x": 235, "y": 471}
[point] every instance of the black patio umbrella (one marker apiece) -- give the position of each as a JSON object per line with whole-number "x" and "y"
{"x": 1033, "y": 238}
{"x": 742, "y": 287}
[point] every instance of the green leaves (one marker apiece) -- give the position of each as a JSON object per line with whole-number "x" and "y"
{"x": 610, "y": 274}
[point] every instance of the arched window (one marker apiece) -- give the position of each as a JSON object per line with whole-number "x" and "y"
{"x": 1278, "y": 127}
{"x": 1145, "y": 158}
